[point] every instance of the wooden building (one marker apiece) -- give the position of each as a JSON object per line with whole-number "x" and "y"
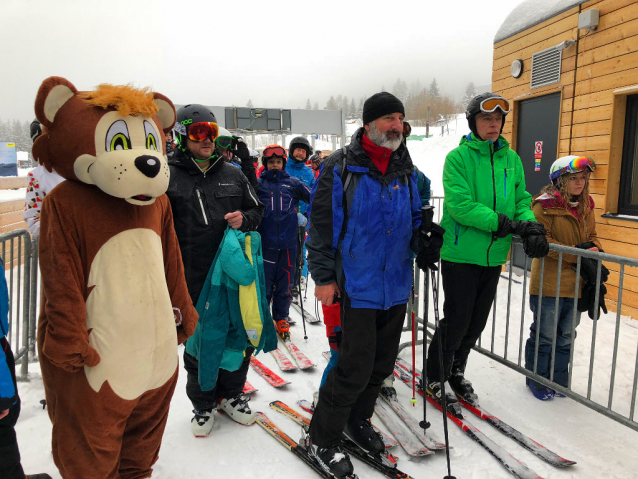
{"x": 574, "y": 91}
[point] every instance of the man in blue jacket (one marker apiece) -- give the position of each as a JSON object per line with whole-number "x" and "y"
{"x": 299, "y": 151}
{"x": 365, "y": 214}
{"x": 10, "y": 467}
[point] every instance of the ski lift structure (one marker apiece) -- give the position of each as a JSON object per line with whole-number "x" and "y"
{"x": 280, "y": 122}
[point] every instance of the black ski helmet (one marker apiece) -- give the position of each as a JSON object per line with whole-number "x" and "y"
{"x": 474, "y": 108}
{"x": 188, "y": 114}
{"x": 35, "y": 130}
{"x": 299, "y": 142}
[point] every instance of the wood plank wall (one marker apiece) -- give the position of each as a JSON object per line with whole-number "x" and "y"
{"x": 592, "y": 117}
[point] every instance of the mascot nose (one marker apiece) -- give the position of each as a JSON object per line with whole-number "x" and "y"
{"x": 148, "y": 165}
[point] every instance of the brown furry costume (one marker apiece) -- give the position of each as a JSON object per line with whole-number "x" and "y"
{"x": 113, "y": 278}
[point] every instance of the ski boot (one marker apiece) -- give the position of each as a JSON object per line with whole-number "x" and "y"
{"x": 332, "y": 459}
{"x": 283, "y": 329}
{"x": 364, "y": 435}
{"x": 433, "y": 389}
{"x": 540, "y": 392}
{"x": 463, "y": 389}
{"x": 238, "y": 410}
{"x": 202, "y": 422}
{"x": 387, "y": 388}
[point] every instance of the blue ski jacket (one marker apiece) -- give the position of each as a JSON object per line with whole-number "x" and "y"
{"x": 362, "y": 237}
{"x": 8, "y": 393}
{"x": 304, "y": 173}
{"x": 280, "y": 193}
{"x": 233, "y": 310}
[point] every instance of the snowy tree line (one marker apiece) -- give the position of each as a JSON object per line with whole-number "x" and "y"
{"x": 18, "y": 133}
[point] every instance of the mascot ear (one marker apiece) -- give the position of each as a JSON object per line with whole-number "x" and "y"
{"x": 52, "y": 94}
{"x": 166, "y": 114}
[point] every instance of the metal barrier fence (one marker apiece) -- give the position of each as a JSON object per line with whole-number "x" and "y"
{"x": 20, "y": 263}
{"x": 596, "y": 377}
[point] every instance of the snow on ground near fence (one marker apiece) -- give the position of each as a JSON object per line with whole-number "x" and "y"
{"x": 602, "y": 447}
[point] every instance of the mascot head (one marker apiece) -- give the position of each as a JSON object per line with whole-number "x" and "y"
{"x": 112, "y": 137}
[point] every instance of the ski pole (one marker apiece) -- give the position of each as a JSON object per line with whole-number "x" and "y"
{"x": 300, "y": 256}
{"x": 413, "y": 400}
{"x": 427, "y": 213}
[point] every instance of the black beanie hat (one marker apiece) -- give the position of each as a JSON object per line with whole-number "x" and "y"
{"x": 381, "y": 104}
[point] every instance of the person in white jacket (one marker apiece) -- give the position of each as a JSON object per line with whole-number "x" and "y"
{"x": 41, "y": 182}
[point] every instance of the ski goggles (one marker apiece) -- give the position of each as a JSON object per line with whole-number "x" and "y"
{"x": 578, "y": 164}
{"x": 224, "y": 142}
{"x": 203, "y": 130}
{"x": 491, "y": 104}
{"x": 274, "y": 150}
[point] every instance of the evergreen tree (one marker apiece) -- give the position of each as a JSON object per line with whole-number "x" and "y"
{"x": 434, "y": 89}
{"x": 345, "y": 107}
{"x": 308, "y": 107}
{"x": 352, "y": 109}
{"x": 249, "y": 104}
{"x": 400, "y": 90}
{"x": 316, "y": 106}
{"x": 470, "y": 92}
{"x": 360, "y": 107}
{"x": 332, "y": 104}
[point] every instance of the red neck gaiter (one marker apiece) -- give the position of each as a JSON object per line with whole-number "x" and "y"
{"x": 379, "y": 155}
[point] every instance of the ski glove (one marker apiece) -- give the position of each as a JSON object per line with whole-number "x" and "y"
{"x": 588, "y": 298}
{"x": 589, "y": 271}
{"x": 535, "y": 245}
{"x": 241, "y": 148}
{"x": 430, "y": 244}
{"x": 520, "y": 228}
{"x": 301, "y": 220}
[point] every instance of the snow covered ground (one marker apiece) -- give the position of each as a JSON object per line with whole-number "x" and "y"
{"x": 602, "y": 447}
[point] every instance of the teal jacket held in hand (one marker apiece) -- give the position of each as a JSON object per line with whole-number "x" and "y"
{"x": 233, "y": 310}
{"x": 480, "y": 180}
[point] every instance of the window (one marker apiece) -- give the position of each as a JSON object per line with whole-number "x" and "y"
{"x": 628, "y": 193}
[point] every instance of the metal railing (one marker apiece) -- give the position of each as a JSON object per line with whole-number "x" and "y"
{"x": 20, "y": 263}
{"x": 592, "y": 361}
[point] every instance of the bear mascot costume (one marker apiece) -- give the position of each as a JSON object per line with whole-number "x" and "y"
{"x": 115, "y": 304}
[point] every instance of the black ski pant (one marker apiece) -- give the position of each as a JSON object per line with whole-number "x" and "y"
{"x": 229, "y": 384}
{"x": 10, "y": 467}
{"x": 368, "y": 350}
{"x": 469, "y": 293}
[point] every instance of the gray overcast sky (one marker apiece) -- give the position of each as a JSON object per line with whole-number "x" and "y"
{"x": 277, "y": 53}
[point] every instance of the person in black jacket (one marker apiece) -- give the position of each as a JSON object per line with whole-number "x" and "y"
{"x": 207, "y": 195}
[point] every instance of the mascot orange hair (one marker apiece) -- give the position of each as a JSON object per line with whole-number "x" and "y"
{"x": 115, "y": 301}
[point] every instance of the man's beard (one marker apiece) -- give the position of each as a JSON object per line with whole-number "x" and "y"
{"x": 381, "y": 139}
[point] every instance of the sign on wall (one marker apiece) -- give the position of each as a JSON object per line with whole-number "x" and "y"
{"x": 8, "y": 159}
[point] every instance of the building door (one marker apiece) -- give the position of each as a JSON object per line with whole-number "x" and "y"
{"x": 537, "y": 145}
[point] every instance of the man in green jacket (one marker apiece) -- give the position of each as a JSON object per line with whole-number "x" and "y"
{"x": 485, "y": 203}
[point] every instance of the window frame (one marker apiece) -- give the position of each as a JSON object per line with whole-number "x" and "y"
{"x": 629, "y": 153}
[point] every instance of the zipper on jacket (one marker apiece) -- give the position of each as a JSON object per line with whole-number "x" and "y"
{"x": 201, "y": 203}
{"x": 457, "y": 231}
{"x": 505, "y": 185}
{"x": 494, "y": 190}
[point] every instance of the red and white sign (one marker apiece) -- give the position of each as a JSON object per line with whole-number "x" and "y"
{"x": 538, "y": 150}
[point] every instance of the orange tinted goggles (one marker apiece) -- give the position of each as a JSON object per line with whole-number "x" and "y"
{"x": 491, "y": 104}
{"x": 274, "y": 150}
{"x": 203, "y": 130}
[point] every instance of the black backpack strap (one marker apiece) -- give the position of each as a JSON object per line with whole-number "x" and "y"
{"x": 346, "y": 182}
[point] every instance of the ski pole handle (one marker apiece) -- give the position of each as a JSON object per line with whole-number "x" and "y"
{"x": 427, "y": 214}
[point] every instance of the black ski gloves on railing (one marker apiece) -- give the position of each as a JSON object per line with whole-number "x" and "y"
{"x": 533, "y": 235}
{"x": 589, "y": 272}
{"x": 430, "y": 243}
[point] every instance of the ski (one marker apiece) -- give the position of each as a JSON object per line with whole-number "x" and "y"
{"x": 267, "y": 374}
{"x": 310, "y": 318}
{"x": 284, "y": 363}
{"x": 300, "y": 358}
{"x": 427, "y": 439}
{"x": 249, "y": 388}
{"x": 291, "y": 445}
{"x": 513, "y": 465}
{"x": 384, "y": 463}
{"x": 534, "y": 447}
{"x": 388, "y": 440}
{"x": 327, "y": 355}
{"x": 408, "y": 441}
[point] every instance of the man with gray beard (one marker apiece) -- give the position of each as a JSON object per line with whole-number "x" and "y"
{"x": 365, "y": 217}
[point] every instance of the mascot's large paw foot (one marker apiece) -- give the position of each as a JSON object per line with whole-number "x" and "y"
{"x": 202, "y": 422}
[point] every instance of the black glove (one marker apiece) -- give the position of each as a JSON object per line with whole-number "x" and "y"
{"x": 241, "y": 148}
{"x": 588, "y": 298}
{"x": 430, "y": 244}
{"x": 535, "y": 245}
{"x": 527, "y": 228}
{"x": 587, "y": 245}
{"x": 589, "y": 270}
{"x": 504, "y": 226}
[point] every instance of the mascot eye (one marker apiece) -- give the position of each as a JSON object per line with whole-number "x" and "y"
{"x": 151, "y": 136}
{"x": 117, "y": 138}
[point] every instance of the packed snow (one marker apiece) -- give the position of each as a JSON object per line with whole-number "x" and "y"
{"x": 530, "y": 13}
{"x": 602, "y": 447}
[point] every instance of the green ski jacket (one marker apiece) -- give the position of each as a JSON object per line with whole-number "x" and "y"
{"x": 481, "y": 179}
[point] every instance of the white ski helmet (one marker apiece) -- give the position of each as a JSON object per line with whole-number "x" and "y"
{"x": 570, "y": 164}
{"x": 224, "y": 138}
